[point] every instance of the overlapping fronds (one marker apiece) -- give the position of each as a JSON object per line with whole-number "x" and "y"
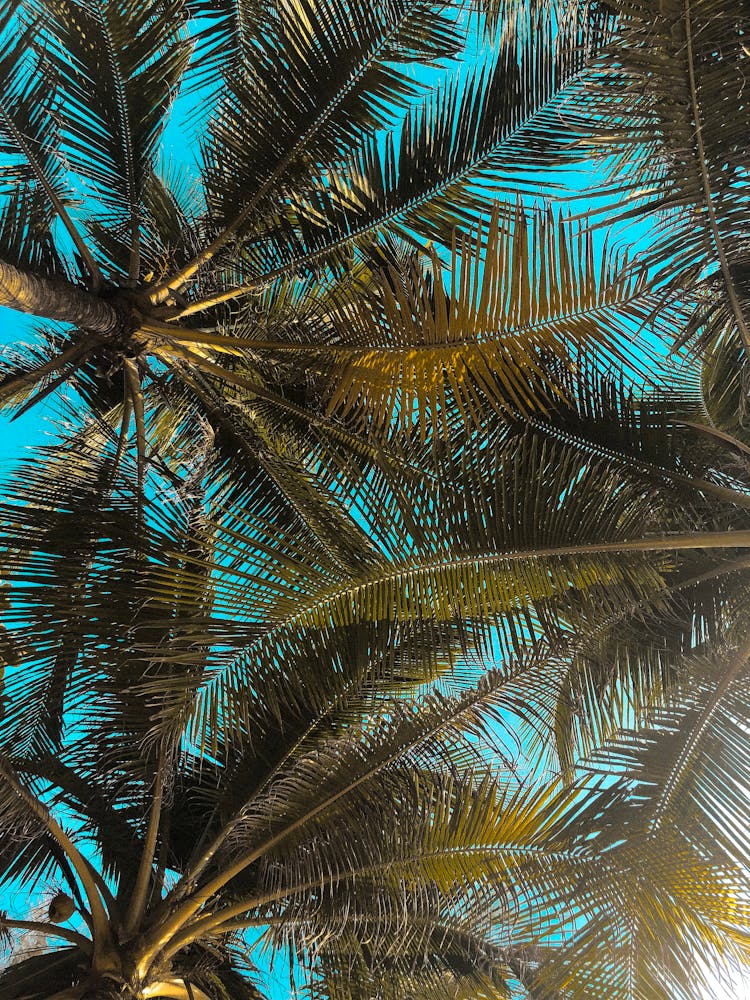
{"x": 118, "y": 67}
{"x": 512, "y": 562}
{"x": 688, "y": 780}
{"x": 470, "y": 131}
{"x": 33, "y": 176}
{"x": 297, "y": 184}
{"x": 340, "y": 64}
{"x": 408, "y": 632}
{"x": 226, "y": 34}
{"x": 672, "y": 103}
{"x": 522, "y": 293}
{"x": 322, "y": 747}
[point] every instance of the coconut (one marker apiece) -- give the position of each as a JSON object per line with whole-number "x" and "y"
{"x": 61, "y": 908}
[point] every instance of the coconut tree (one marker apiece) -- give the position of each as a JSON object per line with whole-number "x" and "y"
{"x": 425, "y": 659}
{"x": 500, "y": 752}
{"x": 324, "y": 160}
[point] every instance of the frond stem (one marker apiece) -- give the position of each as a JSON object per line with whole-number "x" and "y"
{"x": 713, "y": 224}
{"x": 148, "y": 853}
{"x": 136, "y": 396}
{"x": 127, "y": 412}
{"x": 719, "y": 435}
{"x": 174, "y": 989}
{"x": 126, "y": 137}
{"x": 49, "y": 930}
{"x": 611, "y": 452}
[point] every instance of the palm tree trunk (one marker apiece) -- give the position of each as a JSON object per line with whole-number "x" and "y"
{"x": 55, "y": 299}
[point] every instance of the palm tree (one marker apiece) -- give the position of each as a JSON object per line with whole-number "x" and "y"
{"x": 267, "y": 704}
{"x": 323, "y": 163}
{"x": 215, "y": 739}
{"x": 290, "y": 246}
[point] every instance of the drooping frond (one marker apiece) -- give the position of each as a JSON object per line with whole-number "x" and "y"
{"x": 119, "y": 65}
{"x": 525, "y": 292}
{"x": 478, "y": 557}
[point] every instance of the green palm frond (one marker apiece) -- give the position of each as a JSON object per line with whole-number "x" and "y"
{"x": 227, "y": 31}
{"x": 464, "y": 842}
{"x": 663, "y": 96}
{"x": 67, "y": 532}
{"x": 172, "y": 225}
{"x": 684, "y": 797}
{"x": 579, "y": 845}
{"x": 33, "y": 174}
{"x": 430, "y": 179}
{"x": 697, "y": 762}
{"x": 25, "y": 232}
{"x": 340, "y": 66}
{"x": 119, "y": 65}
{"x": 525, "y": 292}
{"x": 37, "y": 975}
{"x": 479, "y": 558}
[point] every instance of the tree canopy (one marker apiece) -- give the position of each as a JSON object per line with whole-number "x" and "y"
{"x": 385, "y": 597}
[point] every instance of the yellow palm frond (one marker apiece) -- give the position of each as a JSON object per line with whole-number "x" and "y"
{"x": 521, "y": 290}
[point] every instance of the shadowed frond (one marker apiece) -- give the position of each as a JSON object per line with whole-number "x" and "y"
{"x": 480, "y": 556}
{"x": 33, "y": 171}
{"x": 672, "y": 102}
{"x": 471, "y": 130}
{"x": 687, "y": 776}
{"x": 523, "y": 293}
{"x": 119, "y": 64}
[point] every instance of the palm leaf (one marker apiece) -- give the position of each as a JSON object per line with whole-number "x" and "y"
{"x": 340, "y": 82}
{"x": 524, "y": 293}
{"x": 30, "y": 142}
{"x": 119, "y": 64}
{"x": 429, "y": 180}
{"x": 677, "y": 810}
{"x": 661, "y": 77}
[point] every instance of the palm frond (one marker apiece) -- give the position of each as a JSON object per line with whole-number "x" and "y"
{"x": 339, "y": 65}
{"x": 33, "y": 169}
{"x": 226, "y": 34}
{"x": 679, "y": 152}
{"x": 25, "y": 232}
{"x": 648, "y": 955}
{"x": 470, "y": 131}
{"x": 37, "y": 975}
{"x": 119, "y": 64}
{"x": 525, "y": 292}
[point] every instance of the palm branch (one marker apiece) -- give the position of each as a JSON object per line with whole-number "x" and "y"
{"x": 285, "y": 209}
{"x": 484, "y": 870}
